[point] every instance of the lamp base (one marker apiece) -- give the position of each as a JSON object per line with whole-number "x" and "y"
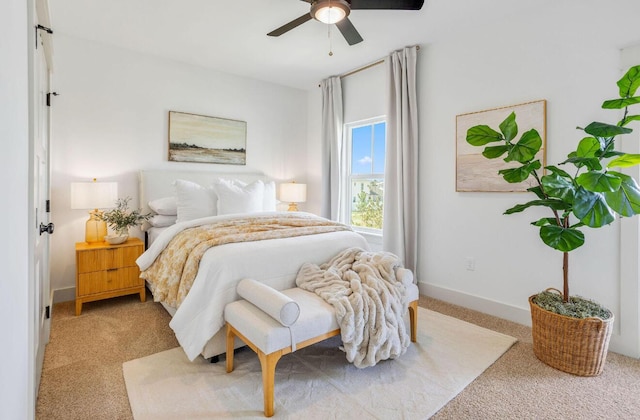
{"x": 293, "y": 207}
{"x": 95, "y": 229}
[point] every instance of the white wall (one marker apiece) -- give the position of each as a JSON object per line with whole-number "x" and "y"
{"x": 16, "y": 387}
{"x": 630, "y": 248}
{"x": 110, "y": 121}
{"x": 491, "y": 70}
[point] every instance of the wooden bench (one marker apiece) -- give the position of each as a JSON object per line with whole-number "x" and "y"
{"x": 271, "y": 340}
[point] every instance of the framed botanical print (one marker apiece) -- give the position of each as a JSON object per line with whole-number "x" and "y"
{"x": 474, "y": 172}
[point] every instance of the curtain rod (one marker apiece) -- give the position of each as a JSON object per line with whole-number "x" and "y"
{"x": 365, "y": 67}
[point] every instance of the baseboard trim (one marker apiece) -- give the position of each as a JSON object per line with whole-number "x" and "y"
{"x": 477, "y": 303}
{"x": 64, "y": 295}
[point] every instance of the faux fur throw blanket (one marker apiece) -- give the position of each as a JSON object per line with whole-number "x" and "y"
{"x": 173, "y": 271}
{"x": 369, "y": 302}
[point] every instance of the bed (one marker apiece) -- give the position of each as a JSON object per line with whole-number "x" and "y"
{"x": 198, "y": 319}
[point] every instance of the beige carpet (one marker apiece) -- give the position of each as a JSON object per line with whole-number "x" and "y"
{"x": 317, "y": 382}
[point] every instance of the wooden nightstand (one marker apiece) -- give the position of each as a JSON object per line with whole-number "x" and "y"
{"x": 105, "y": 271}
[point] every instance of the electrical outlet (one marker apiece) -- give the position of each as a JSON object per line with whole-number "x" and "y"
{"x": 470, "y": 263}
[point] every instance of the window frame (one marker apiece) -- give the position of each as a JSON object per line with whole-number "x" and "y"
{"x": 347, "y": 183}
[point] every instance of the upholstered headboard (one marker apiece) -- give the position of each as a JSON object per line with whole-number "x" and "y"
{"x": 158, "y": 183}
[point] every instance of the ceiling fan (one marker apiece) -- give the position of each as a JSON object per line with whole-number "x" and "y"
{"x": 337, "y": 11}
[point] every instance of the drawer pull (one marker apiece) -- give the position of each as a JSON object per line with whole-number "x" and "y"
{"x": 112, "y": 269}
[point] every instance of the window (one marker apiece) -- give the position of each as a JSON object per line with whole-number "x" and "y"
{"x": 364, "y": 186}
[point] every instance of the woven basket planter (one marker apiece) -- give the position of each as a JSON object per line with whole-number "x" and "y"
{"x": 576, "y": 346}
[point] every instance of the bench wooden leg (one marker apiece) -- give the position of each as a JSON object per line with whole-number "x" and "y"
{"x": 413, "y": 318}
{"x": 268, "y": 363}
{"x": 230, "y": 343}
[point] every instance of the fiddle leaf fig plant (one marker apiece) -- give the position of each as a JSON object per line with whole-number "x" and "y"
{"x": 582, "y": 191}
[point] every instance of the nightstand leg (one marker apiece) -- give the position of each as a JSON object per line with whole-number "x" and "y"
{"x": 78, "y": 307}
{"x": 143, "y": 295}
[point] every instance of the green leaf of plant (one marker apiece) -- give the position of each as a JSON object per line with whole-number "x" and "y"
{"x": 526, "y": 148}
{"x": 625, "y": 201}
{"x": 480, "y": 135}
{"x": 598, "y": 129}
{"x": 630, "y": 82}
{"x": 625, "y": 161}
{"x": 551, "y": 203}
{"x": 558, "y": 171}
{"x": 593, "y": 164}
{"x": 591, "y": 208}
{"x": 509, "y": 127}
{"x": 630, "y": 118}
{"x": 558, "y": 186}
{"x": 492, "y": 152}
{"x": 612, "y": 154}
{"x": 561, "y": 238}
{"x": 515, "y": 175}
{"x": 588, "y": 147}
{"x": 598, "y": 181}
{"x": 620, "y": 103}
{"x": 545, "y": 221}
{"x": 537, "y": 191}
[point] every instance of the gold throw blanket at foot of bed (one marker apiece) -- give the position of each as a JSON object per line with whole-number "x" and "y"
{"x": 173, "y": 271}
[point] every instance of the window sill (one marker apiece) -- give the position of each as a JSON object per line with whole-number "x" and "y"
{"x": 374, "y": 239}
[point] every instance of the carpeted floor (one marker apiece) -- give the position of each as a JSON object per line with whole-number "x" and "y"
{"x": 82, "y": 374}
{"x": 316, "y": 382}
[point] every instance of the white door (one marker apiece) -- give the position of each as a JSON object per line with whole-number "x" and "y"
{"x": 41, "y": 206}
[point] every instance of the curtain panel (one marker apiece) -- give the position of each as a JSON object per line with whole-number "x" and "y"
{"x": 332, "y": 163}
{"x": 400, "y": 223}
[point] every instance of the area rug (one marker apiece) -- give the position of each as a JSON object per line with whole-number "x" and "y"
{"x": 317, "y": 382}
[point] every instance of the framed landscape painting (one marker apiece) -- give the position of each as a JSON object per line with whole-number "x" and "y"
{"x": 198, "y": 138}
{"x": 474, "y": 172}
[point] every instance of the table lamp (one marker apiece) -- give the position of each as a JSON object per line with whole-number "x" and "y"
{"x": 293, "y": 193}
{"x": 94, "y": 195}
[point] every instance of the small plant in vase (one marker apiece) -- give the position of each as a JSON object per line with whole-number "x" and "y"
{"x": 120, "y": 219}
{"x": 570, "y": 333}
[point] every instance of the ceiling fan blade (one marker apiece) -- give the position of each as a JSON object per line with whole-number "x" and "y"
{"x": 349, "y": 31}
{"x": 387, "y": 4}
{"x": 289, "y": 26}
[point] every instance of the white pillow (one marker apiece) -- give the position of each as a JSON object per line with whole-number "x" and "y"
{"x": 274, "y": 303}
{"x": 167, "y": 206}
{"x": 161, "y": 220}
{"x": 194, "y": 200}
{"x": 269, "y": 202}
{"x": 234, "y": 198}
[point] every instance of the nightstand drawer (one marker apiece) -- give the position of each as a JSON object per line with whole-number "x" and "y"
{"x": 106, "y": 259}
{"x": 105, "y": 271}
{"x": 107, "y": 280}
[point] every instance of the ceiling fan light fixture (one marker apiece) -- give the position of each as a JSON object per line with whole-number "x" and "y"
{"x": 330, "y": 11}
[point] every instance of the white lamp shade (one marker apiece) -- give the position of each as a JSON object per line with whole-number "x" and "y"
{"x": 292, "y": 192}
{"x": 93, "y": 195}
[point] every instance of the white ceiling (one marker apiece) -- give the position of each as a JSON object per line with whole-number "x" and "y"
{"x": 230, "y": 35}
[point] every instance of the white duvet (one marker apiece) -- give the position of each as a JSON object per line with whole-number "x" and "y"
{"x": 274, "y": 262}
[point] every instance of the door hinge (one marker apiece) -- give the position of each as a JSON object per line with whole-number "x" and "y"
{"x": 43, "y": 28}
{"x": 47, "y": 312}
{"x": 49, "y": 97}
{"x": 47, "y": 206}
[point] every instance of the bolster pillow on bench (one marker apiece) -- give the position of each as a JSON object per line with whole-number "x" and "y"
{"x": 274, "y": 303}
